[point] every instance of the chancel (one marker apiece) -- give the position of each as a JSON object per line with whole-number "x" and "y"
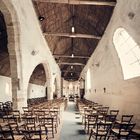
{"x": 69, "y": 69}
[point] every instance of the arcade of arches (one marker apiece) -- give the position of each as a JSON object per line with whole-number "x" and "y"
{"x": 29, "y": 69}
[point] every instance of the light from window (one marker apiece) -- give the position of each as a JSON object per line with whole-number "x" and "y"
{"x": 129, "y": 53}
{"x": 88, "y": 79}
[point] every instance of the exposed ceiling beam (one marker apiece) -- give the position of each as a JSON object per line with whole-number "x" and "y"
{"x": 67, "y": 56}
{"x": 71, "y": 71}
{"x": 73, "y": 35}
{"x": 66, "y": 63}
{"x": 71, "y": 79}
{"x": 80, "y": 2}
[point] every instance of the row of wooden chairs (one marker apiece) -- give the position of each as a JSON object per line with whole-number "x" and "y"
{"x": 36, "y": 101}
{"x": 102, "y": 123}
{"x": 5, "y": 108}
{"x": 13, "y": 132}
{"x": 43, "y": 118}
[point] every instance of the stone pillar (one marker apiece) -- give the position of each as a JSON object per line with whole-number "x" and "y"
{"x": 22, "y": 99}
{"x": 82, "y": 88}
{"x": 61, "y": 87}
{"x": 50, "y": 88}
{"x": 14, "y": 93}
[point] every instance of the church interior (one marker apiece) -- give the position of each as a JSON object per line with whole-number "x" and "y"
{"x": 69, "y": 69}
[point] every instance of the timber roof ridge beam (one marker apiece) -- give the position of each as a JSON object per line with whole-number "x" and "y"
{"x": 68, "y": 56}
{"x": 73, "y": 35}
{"x": 80, "y": 2}
{"x": 67, "y": 63}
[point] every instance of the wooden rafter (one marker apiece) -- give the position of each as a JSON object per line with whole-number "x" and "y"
{"x": 66, "y": 63}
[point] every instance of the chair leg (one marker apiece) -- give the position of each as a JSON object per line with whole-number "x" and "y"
{"x": 90, "y": 134}
{"x": 88, "y": 128}
{"x": 53, "y": 131}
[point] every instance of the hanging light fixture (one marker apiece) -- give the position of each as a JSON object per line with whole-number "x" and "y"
{"x": 72, "y": 55}
{"x": 71, "y": 67}
{"x": 73, "y": 29}
{"x": 41, "y": 18}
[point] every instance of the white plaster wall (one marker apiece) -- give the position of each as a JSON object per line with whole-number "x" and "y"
{"x": 65, "y": 88}
{"x": 35, "y": 91}
{"x": 120, "y": 94}
{"x": 31, "y": 39}
{"x": 5, "y": 89}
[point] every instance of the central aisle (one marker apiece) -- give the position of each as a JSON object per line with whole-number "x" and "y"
{"x": 72, "y": 127}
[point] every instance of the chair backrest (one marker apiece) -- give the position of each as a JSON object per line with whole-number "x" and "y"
{"x": 114, "y": 112}
{"x": 126, "y": 118}
{"x": 6, "y": 132}
{"x": 29, "y": 120}
{"x": 25, "y": 108}
{"x": 39, "y": 113}
{"x": 102, "y": 129}
{"x": 46, "y": 120}
{"x": 128, "y": 127}
{"x": 32, "y": 134}
{"x": 110, "y": 117}
{"x": 92, "y": 118}
{"x": 16, "y": 113}
{"x": 103, "y": 110}
{"x": 10, "y": 119}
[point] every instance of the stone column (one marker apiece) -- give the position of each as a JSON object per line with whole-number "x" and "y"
{"x": 82, "y": 88}
{"x": 50, "y": 88}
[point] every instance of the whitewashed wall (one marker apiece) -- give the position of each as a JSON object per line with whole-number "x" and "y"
{"x": 35, "y": 91}
{"x": 5, "y": 89}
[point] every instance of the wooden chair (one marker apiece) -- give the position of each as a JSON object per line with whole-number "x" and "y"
{"x": 55, "y": 116}
{"x": 91, "y": 121}
{"x": 39, "y": 114}
{"x": 16, "y": 114}
{"x": 33, "y": 134}
{"x": 48, "y": 123}
{"x": 100, "y": 131}
{"x": 126, "y": 119}
{"x": 123, "y": 131}
{"x": 6, "y": 133}
{"x": 30, "y": 123}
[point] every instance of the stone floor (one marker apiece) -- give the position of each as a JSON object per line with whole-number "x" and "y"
{"x": 72, "y": 128}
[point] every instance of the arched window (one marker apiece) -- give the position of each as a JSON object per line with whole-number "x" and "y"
{"x": 129, "y": 53}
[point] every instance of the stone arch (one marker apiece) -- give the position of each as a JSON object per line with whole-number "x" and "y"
{"x": 37, "y": 82}
{"x": 41, "y": 78}
{"x": 12, "y": 26}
